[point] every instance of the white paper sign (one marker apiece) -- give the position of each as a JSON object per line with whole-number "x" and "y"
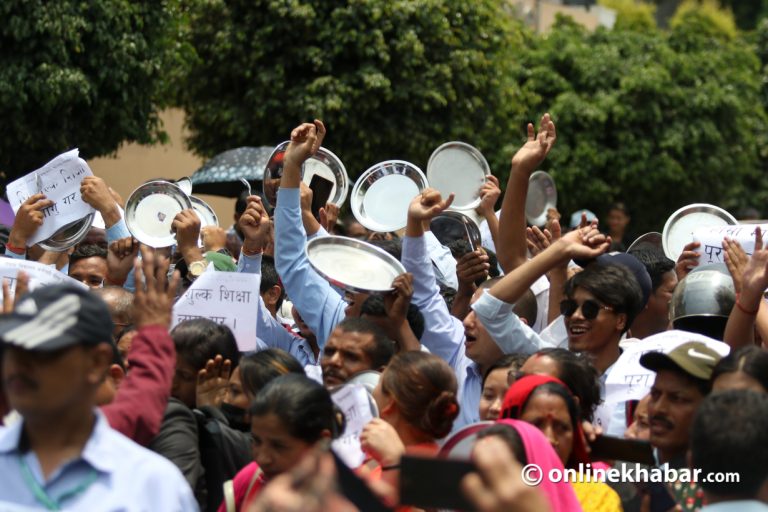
{"x": 711, "y": 240}
{"x": 354, "y": 402}
{"x": 59, "y": 180}
{"x": 39, "y": 274}
{"x": 629, "y": 380}
{"x": 227, "y": 298}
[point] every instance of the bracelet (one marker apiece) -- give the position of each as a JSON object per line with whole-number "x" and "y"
{"x": 743, "y": 309}
{"x": 14, "y": 249}
{"x": 390, "y": 468}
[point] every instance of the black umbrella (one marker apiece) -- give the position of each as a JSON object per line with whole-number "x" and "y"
{"x": 220, "y": 176}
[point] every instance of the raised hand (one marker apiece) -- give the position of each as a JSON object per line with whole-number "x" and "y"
{"x": 329, "y": 215}
{"x": 470, "y": 268}
{"x": 537, "y": 240}
{"x": 120, "y": 258}
{"x": 736, "y": 260}
{"x": 688, "y": 259}
{"x": 22, "y": 287}
{"x": 214, "y": 238}
{"x": 255, "y": 225}
{"x": 186, "y": 225}
{"x": 379, "y": 439}
{"x": 154, "y": 296}
{"x": 213, "y": 381}
{"x": 396, "y": 302}
{"x": 489, "y": 195}
{"x": 28, "y": 219}
{"x": 306, "y": 139}
{"x": 428, "y": 205}
{"x": 585, "y": 243}
{"x": 537, "y": 147}
{"x": 97, "y": 193}
{"x": 754, "y": 278}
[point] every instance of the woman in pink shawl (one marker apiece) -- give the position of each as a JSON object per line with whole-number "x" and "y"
{"x": 530, "y": 446}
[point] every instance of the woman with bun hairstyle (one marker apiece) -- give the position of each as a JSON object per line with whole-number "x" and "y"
{"x": 288, "y": 417}
{"x": 416, "y": 397}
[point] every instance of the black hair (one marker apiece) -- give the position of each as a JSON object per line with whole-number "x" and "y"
{"x": 527, "y": 307}
{"x": 581, "y": 377}
{"x": 303, "y": 406}
{"x": 448, "y": 294}
{"x": 510, "y": 436}
{"x": 374, "y": 306}
{"x": 257, "y": 369}
{"x": 392, "y": 247}
{"x": 612, "y": 285}
{"x": 383, "y": 348}
{"x": 655, "y": 262}
{"x": 201, "y": 339}
{"x": 618, "y": 206}
{"x": 512, "y": 361}
{"x": 84, "y": 251}
{"x": 270, "y": 278}
{"x": 751, "y": 360}
{"x": 729, "y": 435}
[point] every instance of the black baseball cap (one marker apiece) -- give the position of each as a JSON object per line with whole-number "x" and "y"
{"x": 55, "y": 317}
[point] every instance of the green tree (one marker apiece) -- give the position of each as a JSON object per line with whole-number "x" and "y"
{"x": 656, "y": 120}
{"x": 632, "y": 14}
{"x": 82, "y": 74}
{"x": 390, "y": 78}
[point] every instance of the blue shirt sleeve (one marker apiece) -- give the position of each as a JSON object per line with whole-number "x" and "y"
{"x": 321, "y": 307}
{"x": 504, "y": 326}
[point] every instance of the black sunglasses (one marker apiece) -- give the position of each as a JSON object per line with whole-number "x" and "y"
{"x": 589, "y": 308}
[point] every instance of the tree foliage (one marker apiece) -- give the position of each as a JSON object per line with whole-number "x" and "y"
{"x": 81, "y": 74}
{"x": 656, "y": 120}
{"x": 632, "y": 14}
{"x": 391, "y": 79}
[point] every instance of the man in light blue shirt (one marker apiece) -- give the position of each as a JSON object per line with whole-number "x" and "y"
{"x": 63, "y": 455}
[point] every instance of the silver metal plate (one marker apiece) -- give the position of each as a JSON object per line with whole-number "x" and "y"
{"x": 678, "y": 230}
{"x": 150, "y": 210}
{"x": 382, "y": 194}
{"x": 204, "y": 211}
{"x": 652, "y": 239}
{"x": 450, "y": 226}
{"x": 458, "y": 168}
{"x": 542, "y": 195}
{"x": 185, "y": 184}
{"x": 69, "y": 235}
{"x": 324, "y": 163}
{"x": 353, "y": 265}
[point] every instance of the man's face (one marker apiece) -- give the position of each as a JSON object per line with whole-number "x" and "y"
{"x": 91, "y": 271}
{"x": 673, "y": 403}
{"x": 184, "y": 386}
{"x": 45, "y": 383}
{"x": 345, "y": 354}
{"x": 658, "y": 302}
{"x": 595, "y": 334}
{"x": 478, "y": 344}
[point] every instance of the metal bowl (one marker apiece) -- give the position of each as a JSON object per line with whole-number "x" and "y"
{"x": 324, "y": 163}
{"x": 678, "y": 230}
{"x": 353, "y": 265}
{"x": 707, "y": 291}
{"x": 460, "y": 169}
{"x": 542, "y": 195}
{"x": 69, "y": 235}
{"x": 382, "y": 194}
{"x": 450, "y": 226}
{"x": 150, "y": 210}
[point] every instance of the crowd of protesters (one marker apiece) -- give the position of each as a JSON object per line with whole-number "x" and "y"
{"x": 108, "y": 406}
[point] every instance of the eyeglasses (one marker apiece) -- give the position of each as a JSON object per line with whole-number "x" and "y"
{"x": 589, "y": 308}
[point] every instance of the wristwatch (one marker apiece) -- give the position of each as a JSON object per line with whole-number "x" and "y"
{"x": 196, "y": 268}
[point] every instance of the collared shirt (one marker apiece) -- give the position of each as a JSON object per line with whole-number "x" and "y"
{"x": 127, "y": 476}
{"x": 443, "y": 261}
{"x": 269, "y": 331}
{"x": 736, "y": 506}
{"x": 321, "y": 307}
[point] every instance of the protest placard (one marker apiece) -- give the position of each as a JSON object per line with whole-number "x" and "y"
{"x": 59, "y": 180}
{"x": 39, "y": 274}
{"x": 355, "y": 402}
{"x": 227, "y": 298}
{"x": 711, "y": 240}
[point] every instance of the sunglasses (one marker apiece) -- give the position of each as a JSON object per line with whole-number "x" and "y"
{"x": 589, "y": 308}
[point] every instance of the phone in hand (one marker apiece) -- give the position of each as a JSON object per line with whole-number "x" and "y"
{"x": 321, "y": 193}
{"x": 617, "y": 448}
{"x": 433, "y": 483}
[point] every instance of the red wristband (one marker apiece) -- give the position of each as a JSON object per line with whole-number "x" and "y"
{"x": 14, "y": 249}
{"x": 743, "y": 309}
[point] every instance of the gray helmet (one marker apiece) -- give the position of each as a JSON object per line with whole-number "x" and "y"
{"x": 706, "y": 292}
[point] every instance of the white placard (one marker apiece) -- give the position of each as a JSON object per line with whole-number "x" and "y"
{"x": 59, "y": 180}
{"x": 629, "y": 380}
{"x": 39, "y": 274}
{"x": 227, "y": 298}
{"x": 354, "y": 402}
{"x": 711, "y": 240}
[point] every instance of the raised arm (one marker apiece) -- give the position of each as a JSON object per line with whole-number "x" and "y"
{"x": 750, "y": 279}
{"x": 511, "y": 246}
